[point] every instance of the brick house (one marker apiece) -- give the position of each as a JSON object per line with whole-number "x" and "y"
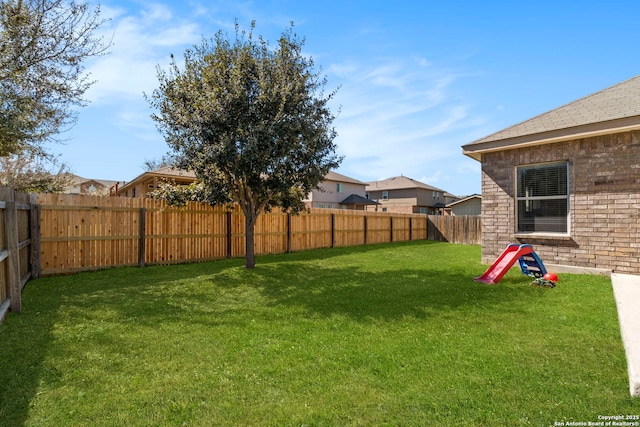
{"x": 568, "y": 182}
{"x": 405, "y": 195}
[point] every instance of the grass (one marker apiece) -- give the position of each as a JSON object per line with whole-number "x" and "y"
{"x": 379, "y": 335}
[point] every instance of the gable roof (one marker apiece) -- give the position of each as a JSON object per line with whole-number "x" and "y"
{"x": 335, "y": 176}
{"x": 77, "y": 180}
{"x": 170, "y": 172}
{"x": 399, "y": 183}
{"x": 465, "y": 199}
{"x": 165, "y": 172}
{"x": 614, "y": 109}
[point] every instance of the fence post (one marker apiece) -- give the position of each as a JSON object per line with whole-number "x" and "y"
{"x": 391, "y": 229}
{"x": 34, "y": 235}
{"x": 410, "y": 229}
{"x": 333, "y": 230}
{"x": 11, "y": 231}
{"x": 229, "y": 235}
{"x": 288, "y": 233}
{"x": 142, "y": 248}
{"x": 426, "y": 227}
{"x": 366, "y": 226}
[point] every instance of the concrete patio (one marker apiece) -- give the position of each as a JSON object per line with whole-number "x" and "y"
{"x": 626, "y": 289}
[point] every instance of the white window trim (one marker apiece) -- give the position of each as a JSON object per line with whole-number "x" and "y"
{"x": 541, "y": 234}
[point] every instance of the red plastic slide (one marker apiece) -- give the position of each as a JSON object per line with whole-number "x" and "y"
{"x": 504, "y": 262}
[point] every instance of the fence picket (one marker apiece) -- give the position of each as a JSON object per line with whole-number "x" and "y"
{"x": 49, "y": 234}
{"x": 76, "y": 233}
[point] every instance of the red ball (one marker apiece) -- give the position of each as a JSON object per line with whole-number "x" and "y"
{"x": 551, "y": 277}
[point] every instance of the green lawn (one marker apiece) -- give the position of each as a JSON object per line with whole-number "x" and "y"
{"x": 394, "y": 334}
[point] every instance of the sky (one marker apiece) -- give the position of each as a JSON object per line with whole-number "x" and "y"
{"x": 416, "y": 80}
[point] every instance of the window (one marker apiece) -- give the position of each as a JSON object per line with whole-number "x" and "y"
{"x": 339, "y": 187}
{"x": 542, "y": 199}
{"x": 385, "y": 195}
{"x": 436, "y": 195}
{"x": 423, "y": 211}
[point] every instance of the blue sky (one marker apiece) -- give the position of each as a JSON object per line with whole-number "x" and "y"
{"x": 418, "y": 79}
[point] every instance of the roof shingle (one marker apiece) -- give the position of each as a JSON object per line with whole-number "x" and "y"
{"x": 399, "y": 182}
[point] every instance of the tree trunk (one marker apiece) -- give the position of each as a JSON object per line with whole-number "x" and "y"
{"x": 249, "y": 226}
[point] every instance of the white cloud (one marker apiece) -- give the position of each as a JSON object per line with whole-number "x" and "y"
{"x": 431, "y": 179}
{"x": 398, "y": 115}
{"x": 140, "y": 43}
{"x": 401, "y": 117}
{"x": 387, "y": 105}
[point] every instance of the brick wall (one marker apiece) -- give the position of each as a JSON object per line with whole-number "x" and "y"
{"x": 604, "y": 187}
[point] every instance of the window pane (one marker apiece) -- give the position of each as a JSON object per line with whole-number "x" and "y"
{"x": 542, "y": 215}
{"x": 540, "y": 181}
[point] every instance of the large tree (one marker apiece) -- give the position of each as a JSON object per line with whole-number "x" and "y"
{"x": 30, "y": 173}
{"x": 43, "y": 44}
{"x": 252, "y": 122}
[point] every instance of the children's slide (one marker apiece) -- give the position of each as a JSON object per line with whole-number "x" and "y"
{"x": 504, "y": 262}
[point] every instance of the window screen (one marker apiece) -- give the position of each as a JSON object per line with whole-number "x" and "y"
{"x": 542, "y": 198}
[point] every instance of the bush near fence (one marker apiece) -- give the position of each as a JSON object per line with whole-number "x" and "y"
{"x": 48, "y": 234}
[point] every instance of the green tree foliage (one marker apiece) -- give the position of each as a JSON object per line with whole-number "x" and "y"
{"x": 33, "y": 174}
{"x": 42, "y": 47}
{"x": 252, "y": 122}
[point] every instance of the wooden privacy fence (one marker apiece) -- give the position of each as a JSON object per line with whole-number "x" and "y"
{"x": 466, "y": 230}
{"x": 48, "y": 234}
{"x": 85, "y": 233}
{"x": 17, "y": 246}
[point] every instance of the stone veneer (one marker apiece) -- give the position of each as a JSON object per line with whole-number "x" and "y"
{"x": 604, "y": 202}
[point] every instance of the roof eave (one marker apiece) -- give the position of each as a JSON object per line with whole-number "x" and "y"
{"x": 476, "y": 149}
{"x": 140, "y": 179}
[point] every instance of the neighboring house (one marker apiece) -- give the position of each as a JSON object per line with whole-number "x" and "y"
{"x": 339, "y": 192}
{"x": 567, "y": 182}
{"x": 147, "y": 182}
{"x": 450, "y": 198}
{"x": 470, "y": 205}
{"x": 92, "y": 187}
{"x": 405, "y": 195}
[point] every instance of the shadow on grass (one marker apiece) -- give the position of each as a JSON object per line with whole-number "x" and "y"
{"x": 315, "y": 283}
{"x": 361, "y": 295}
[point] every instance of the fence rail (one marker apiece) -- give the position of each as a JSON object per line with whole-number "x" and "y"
{"x": 47, "y": 234}
{"x": 84, "y": 232}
